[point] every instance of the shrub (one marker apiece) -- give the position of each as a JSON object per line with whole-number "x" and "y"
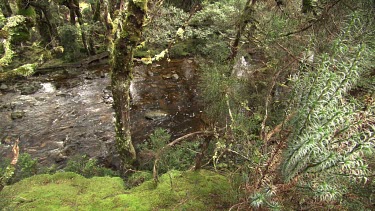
{"x": 69, "y": 40}
{"x": 87, "y": 167}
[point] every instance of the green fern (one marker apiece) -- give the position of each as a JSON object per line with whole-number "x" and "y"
{"x": 330, "y": 131}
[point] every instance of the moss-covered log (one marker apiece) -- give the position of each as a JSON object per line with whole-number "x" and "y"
{"x": 122, "y": 68}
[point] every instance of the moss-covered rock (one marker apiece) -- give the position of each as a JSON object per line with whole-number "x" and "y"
{"x": 202, "y": 190}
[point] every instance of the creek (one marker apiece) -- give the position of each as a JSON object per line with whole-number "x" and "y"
{"x": 69, "y": 112}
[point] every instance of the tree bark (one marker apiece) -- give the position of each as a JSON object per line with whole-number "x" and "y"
{"x": 5, "y": 8}
{"x": 96, "y": 10}
{"x": 74, "y": 12}
{"x": 246, "y": 17}
{"x": 45, "y": 21}
{"x": 122, "y": 70}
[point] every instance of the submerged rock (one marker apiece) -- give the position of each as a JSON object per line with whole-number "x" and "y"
{"x": 156, "y": 115}
{"x": 175, "y": 76}
{"x": 17, "y": 115}
{"x": 31, "y": 88}
{"x": 188, "y": 69}
{"x": 48, "y": 87}
{"x": 3, "y": 87}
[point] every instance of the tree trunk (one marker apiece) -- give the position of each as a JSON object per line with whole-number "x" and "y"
{"x": 5, "y": 8}
{"x": 78, "y": 13}
{"x": 245, "y": 19}
{"x": 45, "y": 22}
{"x": 96, "y": 11}
{"x": 122, "y": 70}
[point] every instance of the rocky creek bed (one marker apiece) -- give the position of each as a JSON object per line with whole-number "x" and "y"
{"x": 69, "y": 112}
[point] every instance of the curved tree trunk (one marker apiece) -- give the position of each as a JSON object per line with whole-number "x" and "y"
{"x": 122, "y": 70}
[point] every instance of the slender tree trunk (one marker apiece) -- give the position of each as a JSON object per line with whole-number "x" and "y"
{"x": 78, "y": 13}
{"x": 122, "y": 70}
{"x": 246, "y": 17}
{"x": 112, "y": 6}
{"x": 97, "y": 10}
{"x": 72, "y": 16}
{"x": 5, "y": 8}
{"x": 45, "y": 22}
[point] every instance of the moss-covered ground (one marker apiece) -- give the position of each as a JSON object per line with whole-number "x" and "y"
{"x": 202, "y": 190}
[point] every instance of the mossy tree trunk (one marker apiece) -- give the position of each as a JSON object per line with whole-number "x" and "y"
{"x": 245, "y": 19}
{"x": 96, "y": 10}
{"x": 122, "y": 70}
{"x": 45, "y": 21}
{"x": 74, "y": 10}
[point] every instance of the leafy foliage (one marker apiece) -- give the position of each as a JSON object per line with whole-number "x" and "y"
{"x": 179, "y": 157}
{"x": 331, "y": 131}
{"x": 69, "y": 40}
{"x": 87, "y": 167}
{"x": 16, "y": 29}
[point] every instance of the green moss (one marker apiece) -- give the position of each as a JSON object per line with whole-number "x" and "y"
{"x": 142, "y": 4}
{"x": 24, "y": 70}
{"x": 28, "y": 12}
{"x": 203, "y": 190}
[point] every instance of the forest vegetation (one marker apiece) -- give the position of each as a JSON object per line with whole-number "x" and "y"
{"x": 288, "y": 89}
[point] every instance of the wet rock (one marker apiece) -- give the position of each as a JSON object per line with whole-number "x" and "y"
{"x": 5, "y": 107}
{"x": 156, "y": 115}
{"x": 57, "y": 156}
{"x": 7, "y": 140}
{"x": 17, "y": 115}
{"x": 4, "y": 87}
{"x": 31, "y": 88}
{"x": 175, "y": 76}
{"x": 166, "y": 76}
{"x": 188, "y": 69}
{"x": 150, "y": 73}
{"x": 70, "y": 149}
{"x": 48, "y": 87}
{"x": 89, "y": 77}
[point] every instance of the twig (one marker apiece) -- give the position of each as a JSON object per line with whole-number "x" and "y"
{"x": 16, "y": 152}
{"x": 313, "y": 23}
{"x": 178, "y": 140}
{"x": 263, "y": 133}
{"x": 171, "y": 144}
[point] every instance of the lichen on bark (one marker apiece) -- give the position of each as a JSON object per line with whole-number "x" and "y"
{"x": 122, "y": 71}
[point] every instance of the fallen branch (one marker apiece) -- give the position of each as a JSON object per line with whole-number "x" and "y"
{"x": 171, "y": 144}
{"x": 178, "y": 140}
{"x": 314, "y": 22}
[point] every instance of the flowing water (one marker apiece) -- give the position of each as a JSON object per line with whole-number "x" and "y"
{"x": 70, "y": 113}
